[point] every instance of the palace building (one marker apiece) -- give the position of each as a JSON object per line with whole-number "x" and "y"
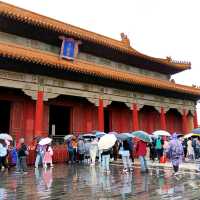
{"x": 58, "y": 79}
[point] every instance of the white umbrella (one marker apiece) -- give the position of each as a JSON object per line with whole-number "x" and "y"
{"x": 161, "y": 133}
{"x": 45, "y": 141}
{"x": 107, "y": 141}
{"x": 5, "y": 136}
{"x": 68, "y": 137}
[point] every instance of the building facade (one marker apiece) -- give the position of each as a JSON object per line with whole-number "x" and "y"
{"x": 99, "y": 84}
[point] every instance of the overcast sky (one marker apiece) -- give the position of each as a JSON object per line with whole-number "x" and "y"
{"x": 157, "y": 28}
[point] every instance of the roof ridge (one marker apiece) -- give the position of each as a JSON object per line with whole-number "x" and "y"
{"x": 65, "y": 28}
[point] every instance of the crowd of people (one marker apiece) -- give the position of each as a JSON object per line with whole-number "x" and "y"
{"x": 85, "y": 150}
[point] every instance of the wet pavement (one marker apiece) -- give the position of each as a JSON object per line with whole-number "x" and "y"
{"x": 82, "y": 182}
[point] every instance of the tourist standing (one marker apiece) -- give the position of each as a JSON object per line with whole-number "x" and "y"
{"x": 74, "y": 146}
{"x": 39, "y": 154}
{"x": 175, "y": 153}
{"x": 22, "y": 154}
{"x": 184, "y": 144}
{"x": 81, "y": 149}
{"x": 115, "y": 150}
{"x": 125, "y": 153}
{"x": 190, "y": 150}
{"x": 48, "y": 156}
{"x": 3, "y": 154}
{"x": 165, "y": 148}
{"x": 93, "y": 151}
{"x": 70, "y": 151}
{"x": 141, "y": 150}
{"x": 198, "y": 148}
{"x": 152, "y": 150}
{"x": 106, "y": 160}
{"x": 159, "y": 147}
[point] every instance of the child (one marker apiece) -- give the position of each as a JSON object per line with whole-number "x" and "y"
{"x": 48, "y": 156}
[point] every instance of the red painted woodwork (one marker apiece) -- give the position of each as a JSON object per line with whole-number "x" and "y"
{"x": 88, "y": 119}
{"x": 17, "y": 119}
{"x": 29, "y": 114}
{"x": 162, "y": 119}
{"x": 184, "y": 122}
{"x": 45, "y": 120}
{"x": 100, "y": 115}
{"x": 173, "y": 121}
{"x": 149, "y": 119}
{"x": 135, "y": 117}
{"x": 39, "y": 114}
{"x": 120, "y": 118}
{"x": 84, "y": 115}
{"x": 195, "y": 120}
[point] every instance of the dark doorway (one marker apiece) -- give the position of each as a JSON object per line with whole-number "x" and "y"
{"x": 59, "y": 120}
{"x": 4, "y": 116}
{"x": 106, "y": 121}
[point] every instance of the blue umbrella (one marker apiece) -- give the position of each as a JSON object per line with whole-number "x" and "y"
{"x": 142, "y": 136}
{"x": 196, "y": 131}
{"x": 124, "y": 136}
{"x": 99, "y": 134}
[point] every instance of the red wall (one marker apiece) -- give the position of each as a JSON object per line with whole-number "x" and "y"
{"x": 149, "y": 119}
{"x": 120, "y": 118}
{"x": 84, "y": 117}
{"x": 174, "y": 121}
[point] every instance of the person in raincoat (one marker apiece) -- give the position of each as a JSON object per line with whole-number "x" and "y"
{"x": 175, "y": 153}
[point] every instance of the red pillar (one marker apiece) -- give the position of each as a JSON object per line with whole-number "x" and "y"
{"x": 162, "y": 119}
{"x": 100, "y": 115}
{"x": 135, "y": 117}
{"x": 195, "y": 120}
{"x": 171, "y": 123}
{"x": 39, "y": 114}
{"x": 184, "y": 122}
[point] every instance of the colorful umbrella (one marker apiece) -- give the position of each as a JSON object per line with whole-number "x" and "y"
{"x": 68, "y": 137}
{"x": 124, "y": 136}
{"x": 45, "y": 141}
{"x": 5, "y": 136}
{"x": 142, "y": 136}
{"x": 107, "y": 141}
{"x": 99, "y": 134}
{"x": 161, "y": 133}
{"x": 196, "y": 131}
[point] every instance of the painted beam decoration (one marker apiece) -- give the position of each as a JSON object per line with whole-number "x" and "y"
{"x": 69, "y": 48}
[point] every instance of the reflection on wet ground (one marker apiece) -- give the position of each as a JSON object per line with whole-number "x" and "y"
{"x": 82, "y": 182}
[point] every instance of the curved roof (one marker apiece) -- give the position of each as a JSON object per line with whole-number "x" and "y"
{"x": 78, "y": 66}
{"x": 29, "y": 17}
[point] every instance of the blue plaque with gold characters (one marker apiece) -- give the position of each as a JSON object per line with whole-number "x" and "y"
{"x": 68, "y": 48}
